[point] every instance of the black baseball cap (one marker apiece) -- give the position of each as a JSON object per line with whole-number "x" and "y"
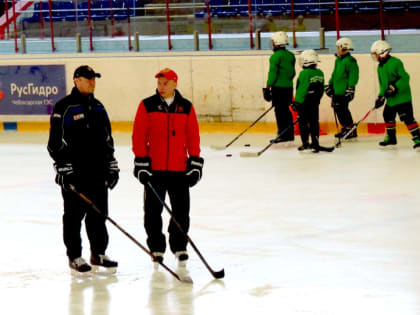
{"x": 86, "y": 72}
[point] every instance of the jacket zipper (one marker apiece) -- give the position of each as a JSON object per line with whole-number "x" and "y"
{"x": 168, "y": 139}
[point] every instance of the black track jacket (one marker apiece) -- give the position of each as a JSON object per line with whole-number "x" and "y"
{"x": 80, "y": 134}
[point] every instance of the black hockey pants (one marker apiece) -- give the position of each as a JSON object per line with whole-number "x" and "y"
{"x": 75, "y": 209}
{"x": 282, "y": 98}
{"x": 405, "y": 112}
{"x": 341, "y": 107}
{"x": 175, "y": 184}
{"x": 309, "y": 123}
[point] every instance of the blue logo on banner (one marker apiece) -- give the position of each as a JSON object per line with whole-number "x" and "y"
{"x": 31, "y": 90}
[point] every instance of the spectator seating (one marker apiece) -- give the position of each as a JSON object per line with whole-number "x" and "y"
{"x": 59, "y": 10}
{"x": 395, "y": 6}
{"x": 101, "y": 9}
{"x": 36, "y": 16}
{"x": 413, "y": 6}
{"x": 65, "y": 10}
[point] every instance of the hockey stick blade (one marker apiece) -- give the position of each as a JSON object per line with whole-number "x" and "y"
{"x": 215, "y": 274}
{"x": 249, "y": 154}
{"x": 218, "y": 147}
{"x": 185, "y": 279}
{"x": 94, "y": 207}
{"x": 219, "y": 274}
{"x": 326, "y": 149}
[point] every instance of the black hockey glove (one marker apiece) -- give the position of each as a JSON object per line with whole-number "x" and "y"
{"x": 349, "y": 95}
{"x": 65, "y": 175}
{"x": 295, "y": 106}
{"x": 143, "y": 169}
{"x": 337, "y": 101}
{"x": 194, "y": 170}
{"x": 329, "y": 90}
{"x": 391, "y": 90}
{"x": 112, "y": 176}
{"x": 267, "y": 94}
{"x": 380, "y": 101}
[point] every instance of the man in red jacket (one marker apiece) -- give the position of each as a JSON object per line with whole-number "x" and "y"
{"x": 166, "y": 145}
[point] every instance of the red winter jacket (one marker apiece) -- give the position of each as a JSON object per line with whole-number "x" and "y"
{"x": 166, "y": 134}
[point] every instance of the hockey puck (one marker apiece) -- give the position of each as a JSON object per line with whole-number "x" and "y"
{"x": 247, "y": 145}
{"x": 228, "y": 155}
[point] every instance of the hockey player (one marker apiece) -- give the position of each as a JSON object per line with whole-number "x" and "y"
{"x": 279, "y": 88}
{"x": 309, "y": 90}
{"x": 82, "y": 148}
{"x": 342, "y": 84}
{"x": 166, "y": 145}
{"x": 394, "y": 90}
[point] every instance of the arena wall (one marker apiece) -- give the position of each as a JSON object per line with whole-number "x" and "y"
{"x": 225, "y": 87}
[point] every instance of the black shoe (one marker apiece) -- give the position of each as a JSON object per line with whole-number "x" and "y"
{"x": 182, "y": 257}
{"x": 103, "y": 261}
{"x": 80, "y": 266}
{"x": 158, "y": 256}
{"x": 158, "y": 259}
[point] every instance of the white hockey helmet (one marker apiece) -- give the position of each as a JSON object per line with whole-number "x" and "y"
{"x": 345, "y": 43}
{"x": 280, "y": 39}
{"x": 381, "y": 48}
{"x": 308, "y": 57}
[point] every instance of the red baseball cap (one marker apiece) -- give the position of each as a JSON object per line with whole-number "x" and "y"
{"x": 167, "y": 73}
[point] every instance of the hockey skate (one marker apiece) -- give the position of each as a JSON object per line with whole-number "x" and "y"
{"x": 158, "y": 261}
{"x": 79, "y": 267}
{"x": 388, "y": 143}
{"x": 282, "y": 140}
{"x": 103, "y": 264}
{"x": 344, "y": 131}
{"x": 416, "y": 145}
{"x": 182, "y": 257}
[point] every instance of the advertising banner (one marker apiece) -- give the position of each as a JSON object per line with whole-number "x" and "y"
{"x": 31, "y": 90}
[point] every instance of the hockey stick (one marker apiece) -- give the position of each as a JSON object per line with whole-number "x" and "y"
{"x": 94, "y": 207}
{"x": 338, "y": 144}
{"x": 257, "y": 154}
{"x": 217, "y": 274}
{"x": 237, "y": 137}
{"x": 358, "y": 123}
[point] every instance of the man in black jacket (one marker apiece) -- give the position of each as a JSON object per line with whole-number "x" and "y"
{"x": 82, "y": 148}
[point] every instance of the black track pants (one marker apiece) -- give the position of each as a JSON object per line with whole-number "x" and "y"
{"x": 179, "y": 195}
{"x": 75, "y": 210}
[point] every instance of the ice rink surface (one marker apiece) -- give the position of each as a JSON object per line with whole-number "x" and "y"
{"x": 328, "y": 233}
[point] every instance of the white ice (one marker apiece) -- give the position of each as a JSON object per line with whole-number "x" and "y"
{"x": 328, "y": 233}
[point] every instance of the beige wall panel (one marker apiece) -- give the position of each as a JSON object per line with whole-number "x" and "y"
{"x": 247, "y": 79}
{"x": 222, "y": 86}
{"x": 211, "y": 84}
{"x": 124, "y": 83}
